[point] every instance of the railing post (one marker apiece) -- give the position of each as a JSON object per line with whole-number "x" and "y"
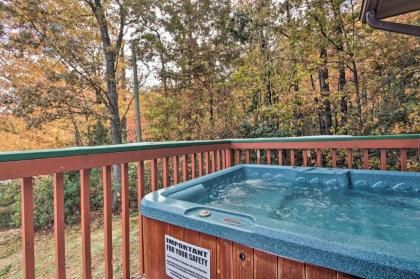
{"x": 258, "y": 156}
{"x": 85, "y": 212}
{"x": 349, "y": 158}
{"x": 140, "y": 195}
{"x": 403, "y": 159}
{"x": 366, "y": 158}
{"x": 176, "y": 169}
{"x": 318, "y": 158}
{"x": 229, "y": 157}
{"x": 60, "y": 265}
{"x": 223, "y": 159}
{"x": 125, "y": 221}
{"x": 193, "y": 166}
{"x": 153, "y": 174}
{"x": 185, "y": 167}
{"x": 280, "y": 156}
{"x": 218, "y": 160}
{"x": 268, "y": 154}
{"x": 165, "y": 171}
{"x": 305, "y": 157}
{"x": 238, "y": 156}
{"x": 333, "y": 158}
{"x": 28, "y": 228}
{"x": 200, "y": 164}
{"x": 213, "y": 161}
{"x": 292, "y": 157}
{"x": 383, "y": 159}
{"x": 207, "y": 162}
{"x": 106, "y": 183}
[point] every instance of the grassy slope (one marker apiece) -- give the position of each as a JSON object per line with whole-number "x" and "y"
{"x": 11, "y": 254}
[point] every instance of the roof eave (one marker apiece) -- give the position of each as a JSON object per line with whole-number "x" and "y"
{"x": 368, "y": 14}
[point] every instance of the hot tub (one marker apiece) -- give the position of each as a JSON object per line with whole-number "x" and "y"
{"x": 360, "y": 223}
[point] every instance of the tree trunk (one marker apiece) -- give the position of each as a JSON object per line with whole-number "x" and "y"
{"x": 323, "y": 76}
{"x": 136, "y": 92}
{"x": 123, "y": 120}
{"x": 357, "y": 96}
{"x": 341, "y": 89}
{"x": 110, "y": 53}
{"x": 297, "y": 103}
{"x": 341, "y": 67}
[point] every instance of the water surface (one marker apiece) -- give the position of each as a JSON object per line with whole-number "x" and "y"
{"x": 386, "y": 216}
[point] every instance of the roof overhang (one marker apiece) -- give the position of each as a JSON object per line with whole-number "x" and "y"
{"x": 373, "y": 11}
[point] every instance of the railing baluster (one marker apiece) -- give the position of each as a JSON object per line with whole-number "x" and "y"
{"x": 305, "y": 157}
{"x": 60, "y": 264}
{"x": 153, "y": 174}
{"x": 207, "y": 155}
{"x": 176, "y": 169}
{"x": 193, "y": 166}
{"x": 366, "y": 159}
{"x": 125, "y": 221}
{"x": 292, "y": 157}
{"x": 349, "y": 158}
{"x": 229, "y": 157}
{"x": 238, "y": 156}
{"x": 223, "y": 159}
{"x": 213, "y": 161}
{"x": 403, "y": 159}
{"x": 200, "y": 164}
{"x": 247, "y": 156}
{"x": 280, "y": 156}
{"x": 268, "y": 153}
{"x": 383, "y": 159}
{"x": 318, "y": 158}
{"x": 85, "y": 212}
{"x": 185, "y": 167}
{"x": 219, "y": 157}
{"x": 333, "y": 158}
{"x": 106, "y": 177}
{"x": 28, "y": 228}
{"x": 165, "y": 172}
{"x": 258, "y": 156}
{"x": 218, "y": 165}
{"x": 140, "y": 195}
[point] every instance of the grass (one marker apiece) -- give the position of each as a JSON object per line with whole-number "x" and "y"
{"x": 11, "y": 252}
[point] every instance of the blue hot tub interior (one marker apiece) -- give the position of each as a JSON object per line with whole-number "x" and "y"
{"x": 366, "y": 223}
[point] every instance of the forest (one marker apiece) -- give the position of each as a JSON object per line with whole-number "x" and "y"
{"x": 92, "y": 72}
{"x": 203, "y": 70}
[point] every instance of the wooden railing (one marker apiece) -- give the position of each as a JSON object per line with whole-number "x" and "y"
{"x": 196, "y": 158}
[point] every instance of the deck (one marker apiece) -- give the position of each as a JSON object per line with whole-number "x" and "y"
{"x": 170, "y": 163}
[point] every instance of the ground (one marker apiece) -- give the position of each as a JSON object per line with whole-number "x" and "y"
{"x": 11, "y": 252}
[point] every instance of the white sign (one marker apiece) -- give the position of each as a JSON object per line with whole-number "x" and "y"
{"x": 186, "y": 261}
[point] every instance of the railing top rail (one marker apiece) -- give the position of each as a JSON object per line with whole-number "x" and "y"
{"x": 74, "y": 151}
{"x": 87, "y": 150}
{"x": 326, "y": 138}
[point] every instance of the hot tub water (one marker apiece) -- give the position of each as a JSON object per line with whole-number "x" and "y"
{"x": 376, "y": 214}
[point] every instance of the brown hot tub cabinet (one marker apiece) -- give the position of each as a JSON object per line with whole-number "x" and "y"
{"x": 227, "y": 259}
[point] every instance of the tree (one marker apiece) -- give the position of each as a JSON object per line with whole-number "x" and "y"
{"x": 191, "y": 44}
{"x": 111, "y": 52}
{"x": 82, "y": 40}
{"x": 65, "y": 34}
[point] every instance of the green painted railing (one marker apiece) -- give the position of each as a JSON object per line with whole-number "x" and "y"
{"x": 86, "y": 150}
